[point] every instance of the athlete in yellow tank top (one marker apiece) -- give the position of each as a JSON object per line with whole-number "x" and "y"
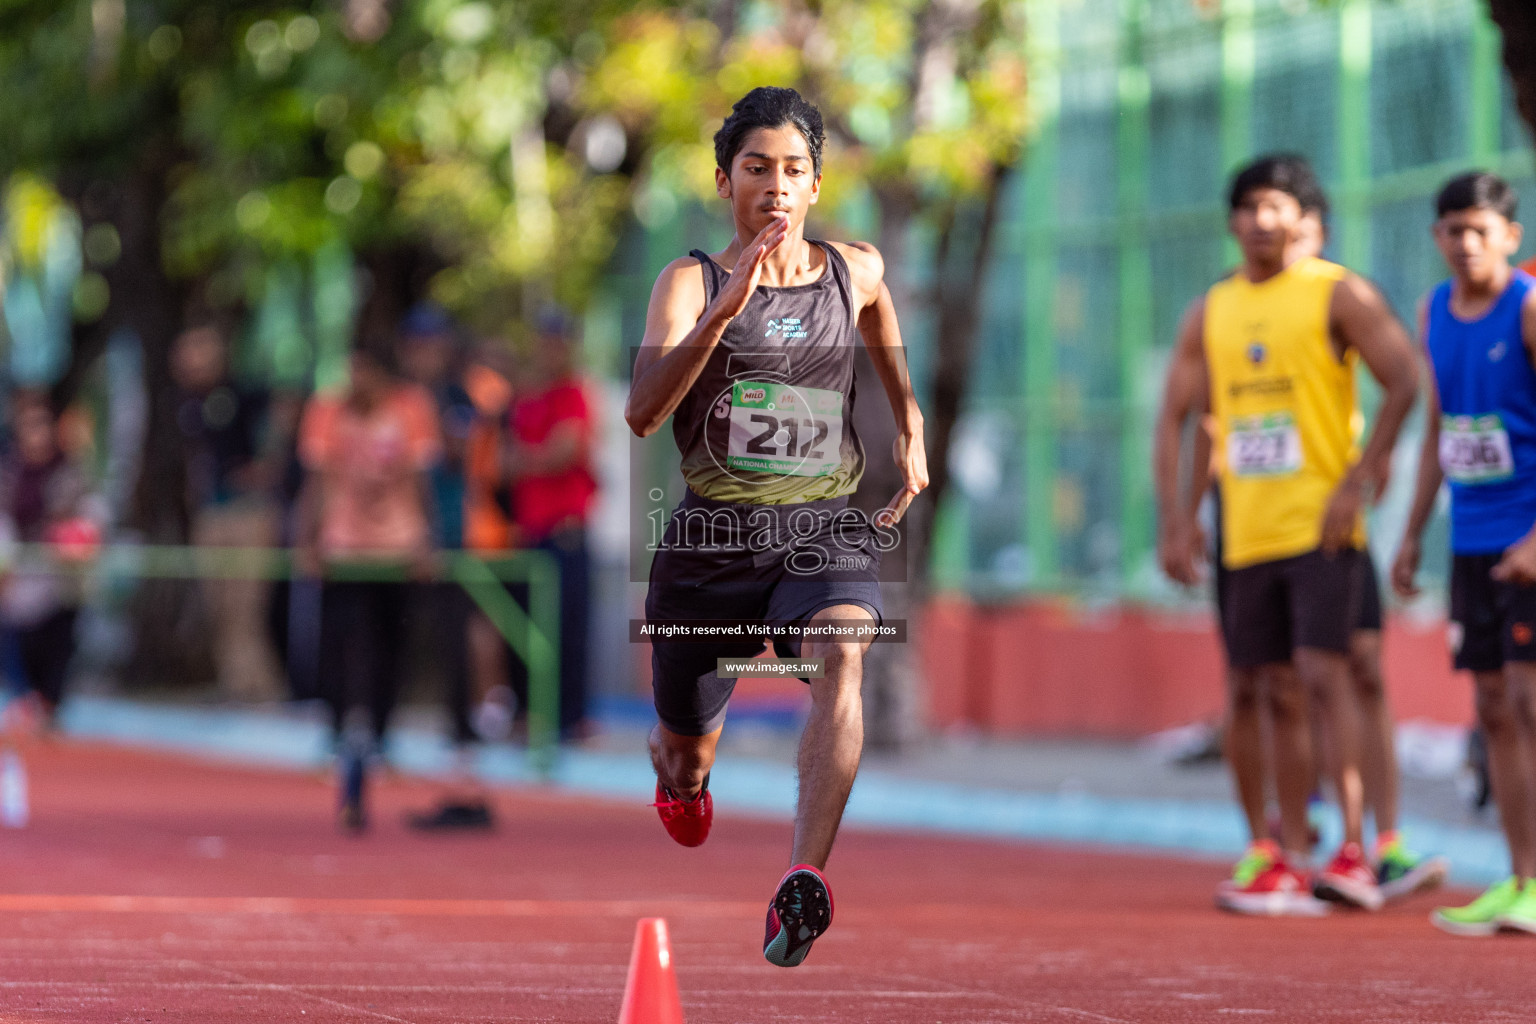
{"x": 1270, "y": 354}
{"x": 1283, "y": 408}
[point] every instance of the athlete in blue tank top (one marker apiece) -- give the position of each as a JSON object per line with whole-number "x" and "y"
{"x": 1487, "y": 391}
{"x": 1480, "y": 434}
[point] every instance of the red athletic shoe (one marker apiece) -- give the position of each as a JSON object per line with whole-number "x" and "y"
{"x": 686, "y": 821}
{"x": 1350, "y": 879}
{"x": 1277, "y": 891}
{"x": 800, "y": 912}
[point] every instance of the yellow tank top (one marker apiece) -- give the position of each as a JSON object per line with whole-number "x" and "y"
{"x": 1284, "y": 407}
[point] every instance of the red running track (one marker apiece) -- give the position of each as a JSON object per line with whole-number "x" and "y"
{"x": 153, "y": 889}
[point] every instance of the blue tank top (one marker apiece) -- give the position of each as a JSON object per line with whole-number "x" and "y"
{"x": 1488, "y": 418}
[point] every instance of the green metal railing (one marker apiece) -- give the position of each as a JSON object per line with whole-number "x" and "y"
{"x": 533, "y": 635}
{"x": 1130, "y": 218}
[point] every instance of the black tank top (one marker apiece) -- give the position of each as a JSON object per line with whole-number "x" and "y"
{"x": 770, "y": 419}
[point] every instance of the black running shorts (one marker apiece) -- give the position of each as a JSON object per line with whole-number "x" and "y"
{"x": 1369, "y": 615}
{"x": 1273, "y": 608}
{"x": 1491, "y": 622}
{"x": 772, "y": 564}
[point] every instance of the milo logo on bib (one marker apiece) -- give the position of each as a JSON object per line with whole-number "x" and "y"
{"x": 778, "y": 428}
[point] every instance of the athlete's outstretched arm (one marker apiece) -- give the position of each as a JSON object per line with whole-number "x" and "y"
{"x": 882, "y": 337}
{"x": 1519, "y": 562}
{"x": 1186, "y": 393}
{"x": 680, "y": 331}
{"x": 1359, "y": 318}
{"x": 1405, "y": 566}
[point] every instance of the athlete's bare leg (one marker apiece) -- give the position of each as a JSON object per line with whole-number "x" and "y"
{"x": 1327, "y": 680}
{"x": 1504, "y": 710}
{"x": 833, "y": 739}
{"x": 1378, "y": 754}
{"x": 1286, "y": 695}
{"x": 682, "y": 762}
{"x": 1244, "y": 743}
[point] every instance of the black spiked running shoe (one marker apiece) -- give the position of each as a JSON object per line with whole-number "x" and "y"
{"x": 800, "y": 912}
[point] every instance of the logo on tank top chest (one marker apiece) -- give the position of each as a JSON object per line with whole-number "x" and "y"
{"x": 1496, "y": 352}
{"x": 788, "y": 327}
{"x": 1256, "y": 352}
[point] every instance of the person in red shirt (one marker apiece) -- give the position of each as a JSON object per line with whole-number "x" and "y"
{"x": 548, "y": 460}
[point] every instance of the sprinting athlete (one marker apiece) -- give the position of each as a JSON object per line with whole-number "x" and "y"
{"x": 1399, "y": 871}
{"x": 750, "y": 352}
{"x": 1271, "y": 352}
{"x": 1480, "y": 433}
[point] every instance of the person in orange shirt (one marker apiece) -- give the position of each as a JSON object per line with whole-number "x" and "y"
{"x": 367, "y": 452}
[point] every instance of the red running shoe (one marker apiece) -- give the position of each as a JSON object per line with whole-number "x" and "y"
{"x": 800, "y": 912}
{"x": 686, "y": 821}
{"x": 1348, "y": 878}
{"x": 1277, "y": 891}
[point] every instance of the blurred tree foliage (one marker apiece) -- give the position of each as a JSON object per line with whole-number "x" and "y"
{"x": 489, "y": 152}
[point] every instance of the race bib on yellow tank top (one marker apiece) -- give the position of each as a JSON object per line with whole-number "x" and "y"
{"x": 1263, "y": 446}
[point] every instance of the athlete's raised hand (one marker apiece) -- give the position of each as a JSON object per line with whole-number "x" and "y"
{"x": 912, "y": 460}
{"x": 1405, "y": 567}
{"x": 749, "y": 267}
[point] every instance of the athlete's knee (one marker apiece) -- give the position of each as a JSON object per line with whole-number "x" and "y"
{"x": 1243, "y": 692}
{"x": 1495, "y": 712}
{"x": 1522, "y": 706}
{"x": 1286, "y": 694}
{"x": 1365, "y": 671}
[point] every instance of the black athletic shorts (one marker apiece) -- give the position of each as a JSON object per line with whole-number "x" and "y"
{"x": 1491, "y": 622}
{"x": 1370, "y": 611}
{"x": 773, "y": 564}
{"x": 1273, "y": 608}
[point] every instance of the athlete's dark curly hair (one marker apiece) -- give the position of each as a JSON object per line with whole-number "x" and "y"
{"x": 769, "y": 106}
{"x": 1284, "y": 172}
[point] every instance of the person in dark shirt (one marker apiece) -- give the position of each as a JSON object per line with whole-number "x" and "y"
{"x": 44, "y": 500}
{"x": 229, "y": 502}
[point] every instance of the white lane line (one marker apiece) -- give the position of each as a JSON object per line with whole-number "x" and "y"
{"x": 291, "y": 990}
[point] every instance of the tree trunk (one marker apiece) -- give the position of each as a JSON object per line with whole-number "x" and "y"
{"x": 894, "y": 691}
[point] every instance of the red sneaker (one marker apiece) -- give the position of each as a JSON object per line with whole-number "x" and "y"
{"x": 800, "y": 912}
{"x": 1277, "y": 891}
{"x": 1350, "y": 879}
{"x": 686, "y": 821}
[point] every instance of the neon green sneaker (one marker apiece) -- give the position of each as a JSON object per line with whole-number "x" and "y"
{"x": 1521, "y": 914}
{"x": 1400, "y": 872}
{"x": 1258, "y": 858}
{"x": 1481, "y": 916}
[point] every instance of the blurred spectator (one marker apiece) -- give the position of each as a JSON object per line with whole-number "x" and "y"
{"x": 46, "y": 500}
{"x": 488, "y": 531}
{"x": 366, "y": 498}
{"x": 548, "y": 462}
{"x": 433, "y": 357}
{"x": 293, "y": 612}
{"x": 229, "y": 502}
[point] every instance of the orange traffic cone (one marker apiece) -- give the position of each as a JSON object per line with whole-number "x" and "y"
{"x": 650, "y": 994}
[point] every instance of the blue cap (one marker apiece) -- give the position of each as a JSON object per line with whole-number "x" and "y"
{"x": 426, "y": 318}
{"x": 556, "y": 321}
